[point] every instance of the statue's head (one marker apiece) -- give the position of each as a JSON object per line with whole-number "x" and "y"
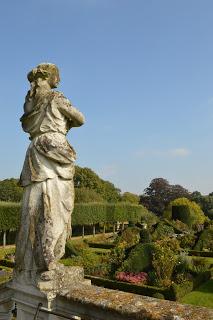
{"x": 45, "y": 71}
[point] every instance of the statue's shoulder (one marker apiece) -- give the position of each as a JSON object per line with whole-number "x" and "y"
{"x": 59, "y": 98}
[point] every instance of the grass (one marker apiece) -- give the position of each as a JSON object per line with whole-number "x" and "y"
{"x": 202, "y": 296}
{"x": 99, "y": 250}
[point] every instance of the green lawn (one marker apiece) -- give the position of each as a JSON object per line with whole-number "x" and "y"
{"x": 202, "y": 296}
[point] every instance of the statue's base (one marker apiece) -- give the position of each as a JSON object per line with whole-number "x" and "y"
{"x": 27, "y": 296}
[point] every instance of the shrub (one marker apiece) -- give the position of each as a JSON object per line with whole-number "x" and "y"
{"x": 7, "y": 263}
{"x": 145, "y": 236}
{"x": 91, "y": 262}
{"x": 187, "y": 240}
{"x": 198, "y": 265}
{"x": 129, "y": 287}
{"x": 140, "y": 258}
{"x": 100, "y": 245}
{"x": 201, "y": 253}
{"x": 186, "y": 211}
{"x": 149, "y": 218}
{"x": 162, "y": 231}
{"x": 116, "y": 257}
{"x": 180, "y": 290}
{"x": 182, "y": 267}
{"x": 205, "y": 241}
{"x": 129, "y": 237}
{"x": 131, "y": 277}
{"x": 74, "y": 248}
{"x": 163, "y": 262}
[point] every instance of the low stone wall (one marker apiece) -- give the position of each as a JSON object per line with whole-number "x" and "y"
{"x": 88, "y": 302}
{"x": 91, "y": 302}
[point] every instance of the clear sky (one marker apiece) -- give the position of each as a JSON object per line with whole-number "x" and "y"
{"x": 140, "y": 70}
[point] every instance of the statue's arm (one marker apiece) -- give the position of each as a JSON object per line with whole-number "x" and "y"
{"x": 28, "y": 104}
{"x": 74, "y": 115}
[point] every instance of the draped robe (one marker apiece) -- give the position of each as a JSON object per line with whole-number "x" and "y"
{"x": 47, "y": 178}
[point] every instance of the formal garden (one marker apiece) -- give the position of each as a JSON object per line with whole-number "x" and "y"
{"x": 132, "y": 249}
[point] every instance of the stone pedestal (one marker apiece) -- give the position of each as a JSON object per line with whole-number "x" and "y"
{"x": 27, "y": 297}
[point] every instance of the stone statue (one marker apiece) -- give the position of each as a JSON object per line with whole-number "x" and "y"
{"x": 47, "y": 174}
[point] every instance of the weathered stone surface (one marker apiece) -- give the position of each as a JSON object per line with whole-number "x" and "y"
{"x": 47, "y": 177}
{"x": 121, "y": 305}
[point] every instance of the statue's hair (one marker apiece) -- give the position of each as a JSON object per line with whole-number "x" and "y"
{"x": 43, "y": 71}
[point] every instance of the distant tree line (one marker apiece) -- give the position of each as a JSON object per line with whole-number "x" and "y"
{"x": 89, "y": 187}
{"x": 160, "y": 193}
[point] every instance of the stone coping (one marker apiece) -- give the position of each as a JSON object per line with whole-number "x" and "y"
{"x": 133, "y": 306}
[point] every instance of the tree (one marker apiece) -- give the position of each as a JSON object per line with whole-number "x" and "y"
{"x": 10, "y": 190}
{"x": 159, "y": 193}
{"x": 86, "y": 178}
{"x": 205, "y": 202}
{"x": 84, "y": 195}
{"x": 130, "y": 197}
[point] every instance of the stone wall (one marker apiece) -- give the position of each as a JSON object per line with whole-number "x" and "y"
{"x": 95, "y": 303}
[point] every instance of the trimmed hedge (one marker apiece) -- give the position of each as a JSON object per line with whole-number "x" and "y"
{"x": 9, "y": 215}
{"x": 83, "y": 214}
{"x": 129, "y": 287}
{"x": 178, "y": 291}
{"x": 201, "y": 253}
{"x": 7, "y": 263}
{"x": 91, "y": 213}
{"x": 175, "y": 292}
{"x": 101, "y": 245}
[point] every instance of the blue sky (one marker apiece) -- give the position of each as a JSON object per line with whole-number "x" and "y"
{"x": 140, "y": 70}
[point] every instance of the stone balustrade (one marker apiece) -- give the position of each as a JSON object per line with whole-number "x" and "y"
{"x": 88, "y": 302}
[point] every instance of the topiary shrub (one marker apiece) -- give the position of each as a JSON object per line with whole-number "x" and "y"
{"x": 164, "y": 260}
{"x": 180, "y": 290}
{"x": 187, "y": 240}
{"x": 74, "y": 249}
{"x": 205, "y": 241}
{"x": 145, "y": 236}
{"x": 162, "y": 231}
{"x": 186, "y": 211}
{"x": 140, "y": 258}
{"x": 129, "y": 237}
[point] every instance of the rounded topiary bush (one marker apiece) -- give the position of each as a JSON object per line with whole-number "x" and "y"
{"x": 162, "y": 230}
{"x": 74, "y": 249}
{"x": 186, "y": 211}
{"x": 129, "y": 237}
{"x": 205, "y": 241}
{"x": 140, "y": 258}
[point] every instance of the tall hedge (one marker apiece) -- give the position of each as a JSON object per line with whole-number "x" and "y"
{"x": 9, "y": 215}
{"x": 189, "y": 212}
{"x": 83, "y": 214}
{"x": 90, "y": 213}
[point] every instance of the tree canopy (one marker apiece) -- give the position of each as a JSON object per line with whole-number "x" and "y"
{"x": 86, "y": 178}
{"x": 10, "y": 190}
{"x": 85, "y": 195}
{"x": 130, "y": 197}
{"x": 160, "y": 193}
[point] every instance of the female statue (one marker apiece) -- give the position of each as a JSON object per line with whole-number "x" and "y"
{"x": 47, "y": 174}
